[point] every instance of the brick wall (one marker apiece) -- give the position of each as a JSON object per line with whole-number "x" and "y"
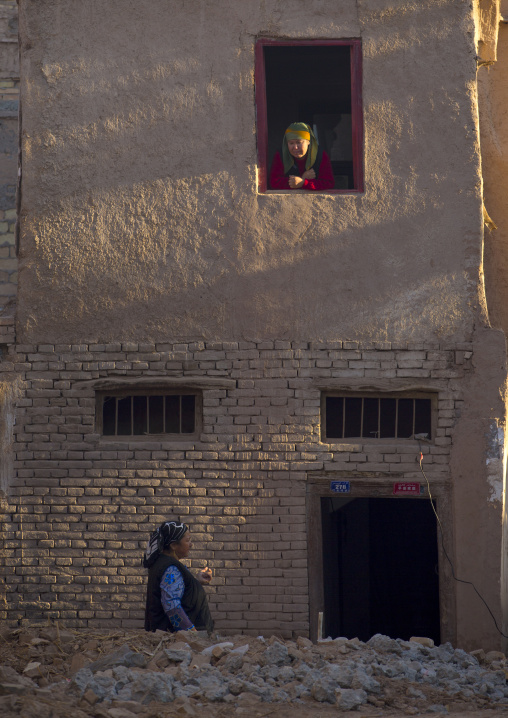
{"x": 7, "y": 329}
{"x": 80, "y": 510}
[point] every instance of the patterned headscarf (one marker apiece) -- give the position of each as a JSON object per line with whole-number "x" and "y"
{"x": 172, "y": 532}
{"x": 299, "y": 131}
{"x": 167, "y": 533}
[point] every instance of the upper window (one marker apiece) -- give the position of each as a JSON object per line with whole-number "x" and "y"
{"x": 133, "y": 414}
{"x": 317, "y": 82}
{"x": 376, "y": 417}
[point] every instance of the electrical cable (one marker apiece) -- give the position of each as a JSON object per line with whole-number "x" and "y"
{"x": 459, "y": 580}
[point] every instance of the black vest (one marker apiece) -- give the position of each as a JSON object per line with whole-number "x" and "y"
{"x": 296, "y": 172}
{"x": 194, "y": 600}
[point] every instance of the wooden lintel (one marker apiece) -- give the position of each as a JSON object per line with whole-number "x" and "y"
{"x": 379, "y": 385}
{"x": 164, "y": 382}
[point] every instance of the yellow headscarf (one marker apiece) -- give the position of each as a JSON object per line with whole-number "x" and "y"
{"x": 299, "y": 131}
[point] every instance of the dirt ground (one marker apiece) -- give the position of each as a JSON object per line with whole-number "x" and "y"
{"x": 50, "y": 656}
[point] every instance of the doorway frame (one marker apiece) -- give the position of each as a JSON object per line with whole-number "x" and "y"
{"x": 318, "y": 486}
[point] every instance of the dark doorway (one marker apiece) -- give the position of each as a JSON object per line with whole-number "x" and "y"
{"x": 380, "y": 568}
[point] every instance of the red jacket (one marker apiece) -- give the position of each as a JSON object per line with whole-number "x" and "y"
{"x": 324, "y": 180}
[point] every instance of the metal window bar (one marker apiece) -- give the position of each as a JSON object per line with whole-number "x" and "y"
{"x": 166, "y": 417}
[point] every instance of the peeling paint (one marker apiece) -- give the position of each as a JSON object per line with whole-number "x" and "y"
{"x": 495, "y": 439}
{"x": 495, "y": 481}
{"x": 494, "y": 461}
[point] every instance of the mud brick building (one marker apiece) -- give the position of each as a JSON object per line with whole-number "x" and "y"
{"x": 267, "y": 366}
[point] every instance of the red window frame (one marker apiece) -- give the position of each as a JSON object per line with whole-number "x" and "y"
{"x": 355, "y": 46}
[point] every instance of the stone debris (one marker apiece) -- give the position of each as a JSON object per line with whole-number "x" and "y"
{"x": 423, "y": 641}
{"x": 13, "y": 682}
{"x": 32, "y": 669}
{"x": 123, "y": 657}
{"x": 129, "y": 672}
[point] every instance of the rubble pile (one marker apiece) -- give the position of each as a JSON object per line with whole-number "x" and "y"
{"x": 46, "y": 670}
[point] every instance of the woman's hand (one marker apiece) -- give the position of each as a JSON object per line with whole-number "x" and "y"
{"x": 296, "y": 182}
{"x": 309, "y": 174}
{"x": 205, "y": 576}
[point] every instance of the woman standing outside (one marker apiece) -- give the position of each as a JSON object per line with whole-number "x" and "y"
{"x": 175, "y": 599}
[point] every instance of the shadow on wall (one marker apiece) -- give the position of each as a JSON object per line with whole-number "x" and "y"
{"x": 9, "y": 94}
{"x": 314, "y": 291}
{"x": 205, "y": 258}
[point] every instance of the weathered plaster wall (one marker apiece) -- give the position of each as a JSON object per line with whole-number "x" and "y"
{"x": 477, "y": 475}
{"x": 141, "y": 217}
{"x": 493, "y": 94}
{"x": 9, "y": 92}
{"x": 487, "y": 17}
{"x": 493, "y": 106}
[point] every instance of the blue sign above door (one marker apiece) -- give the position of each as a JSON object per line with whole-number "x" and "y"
{"x": 340, "y": 487}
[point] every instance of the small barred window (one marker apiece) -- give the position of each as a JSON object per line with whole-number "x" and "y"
{"x": 375, "y": 417}
{"x": 148, "y": 414}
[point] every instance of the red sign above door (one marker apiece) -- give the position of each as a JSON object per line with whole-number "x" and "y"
{"x": 406, "y": 487}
